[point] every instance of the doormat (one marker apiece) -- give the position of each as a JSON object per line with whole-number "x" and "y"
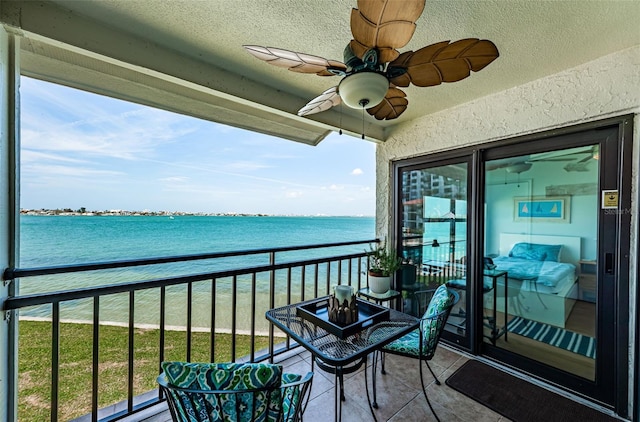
{"x": 558, "y": 337}
{"x": 517, "y": 399}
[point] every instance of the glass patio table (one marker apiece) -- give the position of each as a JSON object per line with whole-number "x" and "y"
{"x": 336, "y": 354}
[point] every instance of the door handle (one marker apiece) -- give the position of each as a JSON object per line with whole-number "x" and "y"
{"x": 608, "y": 263}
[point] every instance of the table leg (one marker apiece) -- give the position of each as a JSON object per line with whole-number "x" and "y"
{"x": 494, "y": 329}
{"x": 366, "y": 386}
{"x": 338, "y": 372}
{"x": 506, "y": 304}
{"x": 337, "y": 402}
{"x": 373, "y": 372}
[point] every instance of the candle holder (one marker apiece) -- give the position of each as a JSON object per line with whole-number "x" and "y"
{"x": 343, "y": 309}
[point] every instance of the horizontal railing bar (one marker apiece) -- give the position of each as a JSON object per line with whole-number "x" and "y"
{"x": 11, "y": 273}
{"x": 65, "y": 295}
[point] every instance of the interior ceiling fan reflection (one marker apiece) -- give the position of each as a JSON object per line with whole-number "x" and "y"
{"x": 373, "y": 68}
{"x": 525, "y": 163}
{"x": 592, "y": 153}
{"x": 521, "y": 164}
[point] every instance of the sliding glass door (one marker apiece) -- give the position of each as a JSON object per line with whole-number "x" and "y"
{"x": 541, "y": 230}
{"x": 533, "y": 235}
{"x": 434, "y": 235}
{"x": 551, "y": 232}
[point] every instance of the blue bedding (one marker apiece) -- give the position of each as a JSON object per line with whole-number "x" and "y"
{"x": 548, "y": 273}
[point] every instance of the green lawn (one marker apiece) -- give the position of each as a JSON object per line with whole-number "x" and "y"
{"x": 75, "y": 382}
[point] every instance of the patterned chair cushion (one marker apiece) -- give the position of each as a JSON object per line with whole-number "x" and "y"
{"x": 290, "y": 395}
{"x": 410, "y": 343}
{"x": 226, "y": 376}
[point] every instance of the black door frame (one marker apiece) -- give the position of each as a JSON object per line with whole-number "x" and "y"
{"x": 615, "y": 396}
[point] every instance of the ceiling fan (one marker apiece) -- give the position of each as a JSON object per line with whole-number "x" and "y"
{"x": 593, "y": 153}
{"x": 373, "y": 68}
{"x": 521, "y": 164}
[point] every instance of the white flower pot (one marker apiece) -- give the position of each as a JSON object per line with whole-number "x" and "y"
{"x": 379, "y": 284}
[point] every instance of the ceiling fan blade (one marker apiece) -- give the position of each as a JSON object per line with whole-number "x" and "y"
{"x": 550, "y": 159}
{"x": 322, "y": 102}
{"x": 384, "y": 25}
{"x": 297, "y": 62}
{"x": 444, "y": 62}
{"x": 391, "y": 107}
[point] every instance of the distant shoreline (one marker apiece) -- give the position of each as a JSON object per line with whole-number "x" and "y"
{"x": 146, "y": 213}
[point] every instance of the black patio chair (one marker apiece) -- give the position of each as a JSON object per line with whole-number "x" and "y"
{"x": 421, "y": 343}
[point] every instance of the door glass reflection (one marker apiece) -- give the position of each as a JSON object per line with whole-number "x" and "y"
{"x": 434, "y": 235}
{"x": 540, "y": 284}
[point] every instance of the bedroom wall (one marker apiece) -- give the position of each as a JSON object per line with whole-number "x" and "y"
{"x": 603, "y": 88}
{"x": 500, "y": 205}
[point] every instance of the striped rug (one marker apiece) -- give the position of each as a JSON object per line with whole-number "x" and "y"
{"x": 558, "y": 337}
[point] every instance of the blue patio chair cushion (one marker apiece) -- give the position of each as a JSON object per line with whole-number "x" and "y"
{"x": 226, "y": 376}
{"x": 410, "y": 343}
{"x": 290, "y": 395}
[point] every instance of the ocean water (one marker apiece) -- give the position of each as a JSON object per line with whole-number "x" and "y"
{"x": 63, "y": 240}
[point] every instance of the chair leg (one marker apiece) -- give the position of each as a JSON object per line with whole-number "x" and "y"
{"x": 373, "y": 370}
{"x": 434, "y": 375}
{"x": 424, "y": 391}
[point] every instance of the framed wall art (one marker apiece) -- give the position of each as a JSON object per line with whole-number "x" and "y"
{"x": 543, "y": 209}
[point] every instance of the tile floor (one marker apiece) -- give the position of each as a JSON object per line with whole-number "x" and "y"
{"x": 399, "y": 393}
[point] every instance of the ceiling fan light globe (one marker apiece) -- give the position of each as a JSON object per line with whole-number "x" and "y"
{"x": 518, "y": 168}
{"x": 363, "y": 89}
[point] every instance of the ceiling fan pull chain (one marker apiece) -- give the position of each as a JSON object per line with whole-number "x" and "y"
{"x": 362, "y": 122}
{"x": 340, "y": 131}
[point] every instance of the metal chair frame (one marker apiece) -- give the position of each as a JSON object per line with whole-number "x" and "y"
{"x": 441, "y": 319}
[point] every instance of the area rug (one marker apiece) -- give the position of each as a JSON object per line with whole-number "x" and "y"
{"x": 517, "y": 399}
{"x": 558, "y": 337}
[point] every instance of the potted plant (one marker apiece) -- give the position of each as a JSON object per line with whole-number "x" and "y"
{"x": 383, "y": 263}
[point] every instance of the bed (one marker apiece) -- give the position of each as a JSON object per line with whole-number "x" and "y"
{"x": 541, "y": 276}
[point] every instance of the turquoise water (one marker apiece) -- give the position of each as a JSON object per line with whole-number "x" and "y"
{"x": 63, "y": 240}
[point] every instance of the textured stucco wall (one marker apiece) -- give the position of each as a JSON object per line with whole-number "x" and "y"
{"x": 606, "y": 87}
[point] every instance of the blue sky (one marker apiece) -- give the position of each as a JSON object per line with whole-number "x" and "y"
{"x": 84, "y": 150}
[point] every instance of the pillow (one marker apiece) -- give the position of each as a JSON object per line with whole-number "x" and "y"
{"x": 224, "y": 376}
{"x": 440, "y": 300}
{"x": 536, "y": 252}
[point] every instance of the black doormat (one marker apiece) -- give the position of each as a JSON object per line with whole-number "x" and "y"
{"x": 516, "y": 398}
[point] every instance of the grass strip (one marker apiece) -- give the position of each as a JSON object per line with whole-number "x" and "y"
{"x": 75, "y": 379}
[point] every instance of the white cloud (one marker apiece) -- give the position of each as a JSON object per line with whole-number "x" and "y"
{"x": 357, "y": 172}
{"x": 59, "y": 171}
{"x": 29, "y": 156}
{"x": 175, "y": 179}
{"x": 293, "y": 194}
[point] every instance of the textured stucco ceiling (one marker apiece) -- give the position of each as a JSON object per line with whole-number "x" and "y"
{"x": 535, "y": 39}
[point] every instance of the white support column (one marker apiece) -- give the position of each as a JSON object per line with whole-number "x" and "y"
{"x": 9, "y": 214}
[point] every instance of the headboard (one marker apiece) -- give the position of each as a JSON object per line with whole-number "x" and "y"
{"x": 571, "y": 249}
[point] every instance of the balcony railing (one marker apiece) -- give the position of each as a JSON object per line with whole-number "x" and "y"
{"x": 226, "y": 298}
